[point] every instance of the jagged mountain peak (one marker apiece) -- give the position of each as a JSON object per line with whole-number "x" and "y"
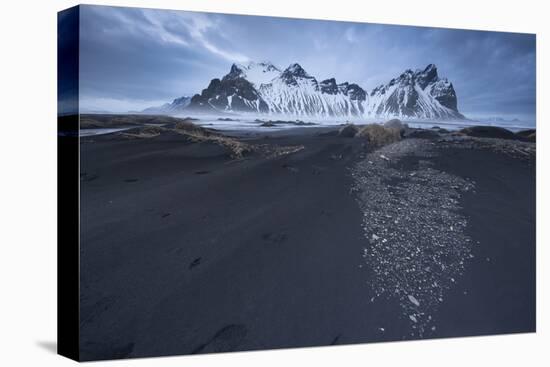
{"x": 266, "y": 64}
{"x": 295, "y": 75}
{"x": 234, "y": 73}
{"x": 422, "y": 77}
{"x": 354, "y": 91}
{"x": 329, "y": 86}
{"x": 427, "y": 76}
{"x": 296, "y": 70}
{"x": 430, "y": 69}
{"x": 257, "y": 73}
{"x": 262, "y": 65}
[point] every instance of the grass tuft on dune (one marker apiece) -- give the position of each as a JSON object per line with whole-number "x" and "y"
{"x": 236, "y": 148}
{"x": 378, "y": 135}
{"x": 144, "y": 132}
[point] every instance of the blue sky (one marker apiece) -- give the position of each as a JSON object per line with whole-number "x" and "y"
{"x": 133, "y": 58}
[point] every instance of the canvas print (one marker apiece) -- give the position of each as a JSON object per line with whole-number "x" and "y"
{"x": 236, "y": 183}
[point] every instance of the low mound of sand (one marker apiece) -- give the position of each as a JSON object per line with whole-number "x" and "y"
{"x": 528, "y": 135}
{"x": 424, "y": 133}
{"x": 348, "y": 131}
{"x": 93, "y": 121}
{"x": 488, "y": 132}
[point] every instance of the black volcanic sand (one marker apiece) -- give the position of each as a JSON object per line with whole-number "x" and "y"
{"x": 184, "y": 250}
{"x": 497, "y": 291}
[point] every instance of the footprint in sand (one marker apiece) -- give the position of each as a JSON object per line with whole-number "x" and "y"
{"x": 195, "y": 262}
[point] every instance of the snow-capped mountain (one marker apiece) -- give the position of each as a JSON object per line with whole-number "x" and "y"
{"x": 264, "y": 88}
{"x": 176, "y": 106}
{"x": 415, "y": 94}
{"x": 295, "y": 92}
{"x": 233, "y": 93}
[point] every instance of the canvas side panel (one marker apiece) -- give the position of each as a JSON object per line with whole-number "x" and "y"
{"x": 68, "y": 183}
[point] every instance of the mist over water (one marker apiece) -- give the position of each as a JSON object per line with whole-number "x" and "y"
{"x": 254, "y": 122}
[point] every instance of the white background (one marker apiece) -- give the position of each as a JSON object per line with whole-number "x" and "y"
{"x": 28, "y": 182}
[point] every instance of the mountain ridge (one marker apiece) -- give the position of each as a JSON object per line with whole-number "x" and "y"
{"x": 263, "y": 88}
{"x": 177, "y": 105}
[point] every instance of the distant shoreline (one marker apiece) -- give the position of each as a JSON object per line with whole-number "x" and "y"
{"x": 236, "y": 125}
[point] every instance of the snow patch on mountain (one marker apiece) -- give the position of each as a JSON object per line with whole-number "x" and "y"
{"x": 256, "y": 73}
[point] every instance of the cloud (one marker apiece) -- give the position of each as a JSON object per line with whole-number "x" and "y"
{"x": 230, "y": 56}
{"x": 196, "y": 26}
{"x": 185, "y": 29}
{"x": 159, "y": 29}
{"x": 350, "y": 35}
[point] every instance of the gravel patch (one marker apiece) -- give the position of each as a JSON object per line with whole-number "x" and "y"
{"x": 513, "y": 148}
{"x": 418, "y": 248}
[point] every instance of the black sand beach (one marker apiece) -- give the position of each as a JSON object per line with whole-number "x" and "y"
{"x": 186, "y": 248}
